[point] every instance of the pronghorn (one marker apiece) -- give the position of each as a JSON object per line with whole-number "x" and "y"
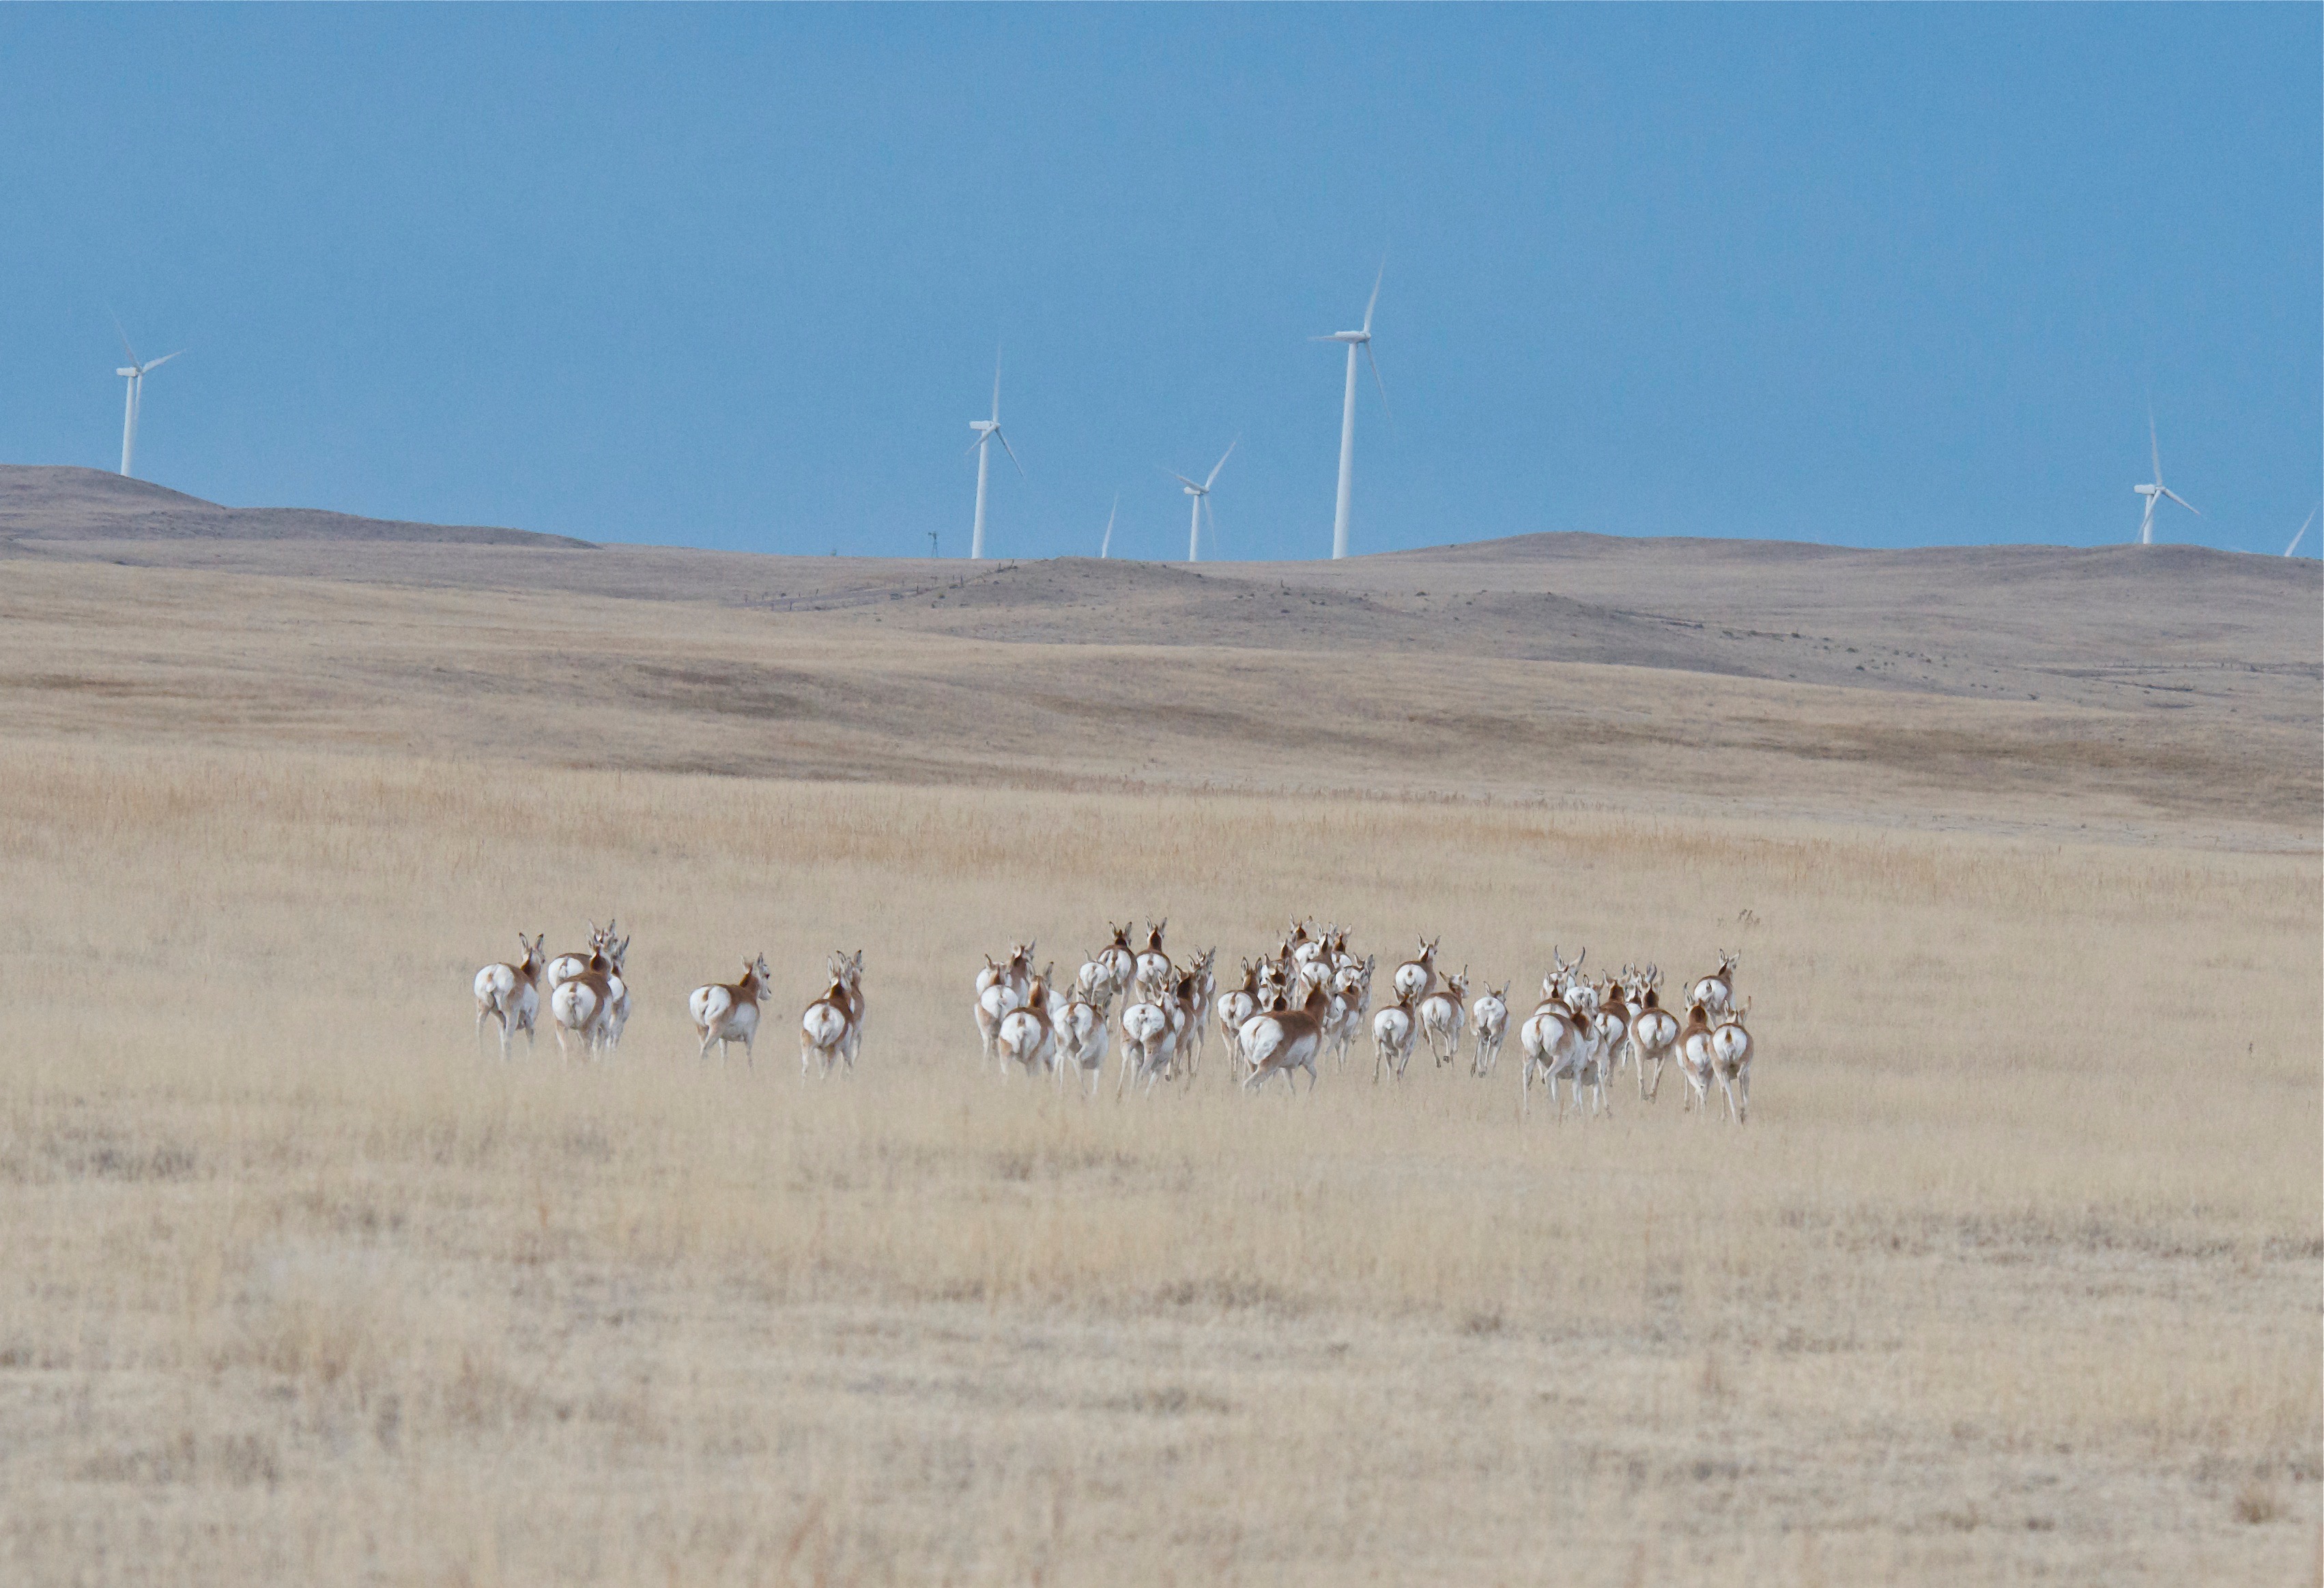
{"x": 1121, "y": 960}
{"x": 1308, "y": 950}
{"x": 1595, "y": 1055}
{"x": 1441, "y": 1015}
{"x": 1184, "y": 1007}
{"x": 848, "y": 971}
{"x": 995, "y": 1005}
{"x": 1274, "y": 980}
{"x": 1715, "y": 992}
{"x": 1153, "y": 965}
{"x": 1567, "y": 978}
{"x": 1000, "y": 988}
{"x": 1281, "y": 1043}
{"x": 1205, "y": 984}
{"x": 1028, "y": 1036}
{"x": 1095, "y": 982}
{"x": 823, "y": 1030}
{"x": 511, "y": 993}
{"x": 1654, "y": 1033}
{"x": 1352, "y": 1001}
{"x": 1147, "y": 1047}
{"x": 1418, "y": 974}
{"x": 989, "y": 977}
{"x": 1394, "y": 1030}
{"x": 1491, "y": 1016}
{"x": 1552, "y": 1041}
{"x": 1233, "y": 1008}
{"x": 585, "y": 1005}
{"x": 1730, "y": 1058}
{"x": 618, "y": 1016}
{"x": 1082, "y": 1039}
{"x": 1696, "y": 1058}
{"x": 1613, "y": 1023}
{"x": 566, "y": 966}
{"x": 727, "y": 1012}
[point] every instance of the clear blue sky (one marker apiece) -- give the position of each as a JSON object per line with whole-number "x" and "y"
{"x": 1872, "y": 275}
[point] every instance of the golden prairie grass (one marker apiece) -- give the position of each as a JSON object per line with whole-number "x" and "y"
{"x": 2014, "y": 1273}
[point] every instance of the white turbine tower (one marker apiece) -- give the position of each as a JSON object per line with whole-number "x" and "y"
{"x": 988, "y": 431}
{"x": 2157, "y": 492}
{"x": 2296, "y": 540}
{"x": 136, "y": 373}
{"x": 1355, "y": 341}
{"x": 1202, "y": 495}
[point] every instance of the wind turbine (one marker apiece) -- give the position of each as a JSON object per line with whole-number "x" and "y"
{"x": 1202, "y": 495}
{"x": 1105, "y": 545}
{"x": 1354, "y": 339}
{"x": 2157, "y": 492}
{"x": 987, "y": 430}
{"x": 2304, "y": 523}
{"x": 136, "y": 373}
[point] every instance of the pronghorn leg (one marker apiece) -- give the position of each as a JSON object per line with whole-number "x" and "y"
{"x": 1743, "y": 1090}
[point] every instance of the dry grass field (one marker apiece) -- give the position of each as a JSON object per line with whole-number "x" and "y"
{"x": 2014, "y": 1275}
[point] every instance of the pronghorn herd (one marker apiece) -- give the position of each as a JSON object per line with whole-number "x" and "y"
{"x": 589, "y": 1001}
{"x": 1312, "y": 998}
{"x": 1309, "y": 999}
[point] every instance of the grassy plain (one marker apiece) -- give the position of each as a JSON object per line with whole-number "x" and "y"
{"x": 2013, "y": 1277}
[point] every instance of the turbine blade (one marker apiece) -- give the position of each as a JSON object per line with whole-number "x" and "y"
{"x": 996, "y": 386}
{"x": 1221, "y": 462}
{"x": 165, "y": 359}
{"x": 2181, "y": 501}
{"x": 1182, "y": 479}
{"x": 1211, "y": 517}
{"x": 1377, "y": 380}
{"x": 2297, "y": 538}
{"x": 125, "y": 347}
{"x": 1375, "y": 302}
{"x": 1005, "y": 446}
{"x": 2153, "y": 444}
